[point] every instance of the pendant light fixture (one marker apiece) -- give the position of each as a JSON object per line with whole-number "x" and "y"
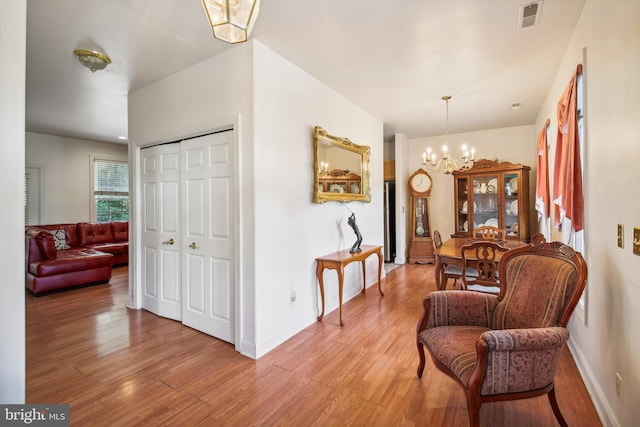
{"x": 232, "y": 20}
{"x": 448, "y": 163}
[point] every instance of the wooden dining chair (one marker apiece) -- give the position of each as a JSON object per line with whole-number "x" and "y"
{"x": 488, "y": 232}
{"x": 447, "y": 271}
{"x": 538, "y": 238}
{"x": 507, "y": 346}
{"x": 480, "y": 266}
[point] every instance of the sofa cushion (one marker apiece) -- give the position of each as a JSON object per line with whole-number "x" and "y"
{"x": 120, "y": 230}
{"x": 110, "y": 248}
{"x": 60, "y": 239}
{"x": 91, "y": 233}
{"x": 47, "y": 245}
{"x": 70, "y": 260}
{"x": 454, "y": 347}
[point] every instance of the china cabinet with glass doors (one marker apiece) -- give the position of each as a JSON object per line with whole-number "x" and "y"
{"x": 494, "y": 194}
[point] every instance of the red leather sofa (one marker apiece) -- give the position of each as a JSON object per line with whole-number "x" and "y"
{"x": 66, "y": 255}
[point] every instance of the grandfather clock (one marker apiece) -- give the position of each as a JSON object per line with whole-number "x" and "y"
{"x": 421, "y": 243}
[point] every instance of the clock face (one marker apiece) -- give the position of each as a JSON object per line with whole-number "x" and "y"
{"x": 421, "y": 183}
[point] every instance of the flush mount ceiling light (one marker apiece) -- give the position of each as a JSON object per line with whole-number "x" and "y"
{"x": 232, "y": 20}
{"x": 91, "y": 59}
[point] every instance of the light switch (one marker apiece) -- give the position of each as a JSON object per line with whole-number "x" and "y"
{"x": 620, "y": 236}
{"x": 636, "y": 240}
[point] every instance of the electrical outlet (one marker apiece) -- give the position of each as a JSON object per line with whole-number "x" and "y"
{"x": 619, "y": 385}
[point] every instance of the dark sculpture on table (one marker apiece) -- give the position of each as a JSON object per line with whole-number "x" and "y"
{"x": 356, "y": 246}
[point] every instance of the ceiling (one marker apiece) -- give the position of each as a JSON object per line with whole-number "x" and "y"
{"x": 393, "y": 59}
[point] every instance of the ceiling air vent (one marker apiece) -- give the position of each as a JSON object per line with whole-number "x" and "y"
{"x": 529, "y": 14}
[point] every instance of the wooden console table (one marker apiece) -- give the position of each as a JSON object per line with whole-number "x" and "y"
{"x": 338, "y": 261}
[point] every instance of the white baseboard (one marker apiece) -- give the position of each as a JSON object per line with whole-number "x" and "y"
{"x": 247, "y": 349}
{"x": 599, "y": 398}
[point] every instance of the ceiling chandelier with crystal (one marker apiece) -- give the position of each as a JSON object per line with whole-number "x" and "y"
{"x": 232, "y": 20}
{"x": 448, "y": 164}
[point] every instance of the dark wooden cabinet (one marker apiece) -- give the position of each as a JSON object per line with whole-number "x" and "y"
{"x": 492, "y": 193}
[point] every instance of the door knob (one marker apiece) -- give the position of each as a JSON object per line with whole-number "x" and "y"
{"x": 168, "y": 242}
{"x": 193, "y": 245}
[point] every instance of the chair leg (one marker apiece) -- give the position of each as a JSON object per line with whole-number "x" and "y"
{"x": 422, "y": 359}
{"x": 556, "y": 409}
{"x": 445, "y": 282}
{"x": 473, "y": 407}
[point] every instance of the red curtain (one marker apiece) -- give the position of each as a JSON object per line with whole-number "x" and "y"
{"x": 567, "y": 174}
{"x": 542, "y": 182}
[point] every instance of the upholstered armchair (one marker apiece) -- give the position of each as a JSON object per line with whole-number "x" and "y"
{"x": 506, "y": 346}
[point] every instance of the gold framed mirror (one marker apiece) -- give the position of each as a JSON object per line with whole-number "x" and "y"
{"x": 340, "y": 169}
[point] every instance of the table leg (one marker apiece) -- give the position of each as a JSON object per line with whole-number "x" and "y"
{"x": 364, "y": 275}
{"x": 319, "y": 270}
{"x": 438, "y": 273}
{"x": 380, "y": 272}
{"x": 340, "y": 286}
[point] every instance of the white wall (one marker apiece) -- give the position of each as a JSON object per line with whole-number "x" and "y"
{"x": 604, "y": 337}
{"x": 290, "y": 230}
{"x": 66, "y": 193}
{"x": 213, "y": 94}
{"x": 275, "y": 105}
{"x": 515, "y": 145}
{"x": 402, "y": 172}
{"x": 12, "y": 118}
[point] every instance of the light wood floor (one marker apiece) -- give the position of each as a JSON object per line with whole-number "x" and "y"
{"x": 120, "y": 367}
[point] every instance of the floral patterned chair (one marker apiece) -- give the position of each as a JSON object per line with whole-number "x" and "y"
{"x": 506, "y": 346}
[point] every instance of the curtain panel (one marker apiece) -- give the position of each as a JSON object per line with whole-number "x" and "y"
{"x": 542, "y": 181}
{"x": 567, "y": 174}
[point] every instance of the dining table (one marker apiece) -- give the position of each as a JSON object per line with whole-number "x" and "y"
{"x": 450, "y": 253}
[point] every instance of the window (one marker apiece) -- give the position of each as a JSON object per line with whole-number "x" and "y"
{"x": 111, "y": 190}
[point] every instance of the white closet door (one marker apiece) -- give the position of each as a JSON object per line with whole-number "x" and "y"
{"x": 208, "y": 235}
{"x": 161, "y": 257}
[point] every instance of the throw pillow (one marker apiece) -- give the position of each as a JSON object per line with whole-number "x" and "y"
{"x": 60, "y": 238}
{"x": 47, "y": 245}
